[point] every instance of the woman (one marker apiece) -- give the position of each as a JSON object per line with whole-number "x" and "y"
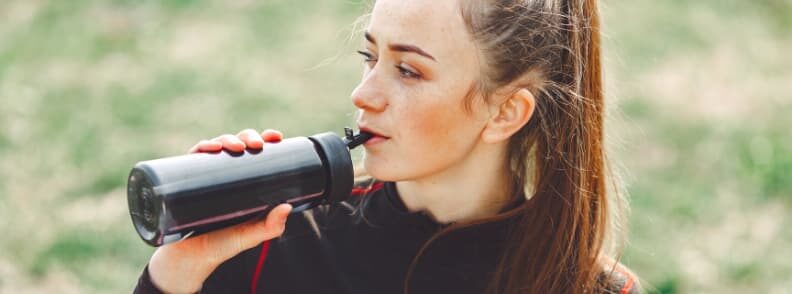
{"x": 487, "y": 174}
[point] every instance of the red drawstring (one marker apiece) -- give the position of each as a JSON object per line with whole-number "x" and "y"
{"x": 257, "y": 273}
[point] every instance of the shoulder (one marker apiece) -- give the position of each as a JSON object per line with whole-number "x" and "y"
{"x": 617, "y": 278}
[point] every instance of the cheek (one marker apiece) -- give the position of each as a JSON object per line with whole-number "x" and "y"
{"x": 440, "y": 122}
{"x": 433, "y": 132}
{"x": 437, "y": 136}
{"x": 431, "y": 125}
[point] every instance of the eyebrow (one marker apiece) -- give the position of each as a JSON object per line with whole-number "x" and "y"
{"x": 402, "y": 47}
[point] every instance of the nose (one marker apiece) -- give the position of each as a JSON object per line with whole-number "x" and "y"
{"x": 369, "y": 95}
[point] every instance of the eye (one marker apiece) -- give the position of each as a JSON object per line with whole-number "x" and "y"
{"x": 369, "y": 58}
{"x": 407, "y": 72}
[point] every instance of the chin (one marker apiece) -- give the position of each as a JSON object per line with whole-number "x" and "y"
{"x": 380, "y": 170}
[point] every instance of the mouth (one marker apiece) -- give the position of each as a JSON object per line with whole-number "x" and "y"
{"x": 376, "y": 139}
{"x": 373, "y": 132}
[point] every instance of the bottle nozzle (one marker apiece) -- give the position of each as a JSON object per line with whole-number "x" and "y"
{"x": 353, "y": 140}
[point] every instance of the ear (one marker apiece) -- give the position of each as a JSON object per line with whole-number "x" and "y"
{"x": 510, "y": 117}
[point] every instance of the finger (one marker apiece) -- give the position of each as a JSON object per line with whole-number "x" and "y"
{"x": 251, "y": 138}
{"x": 272, "y": 136}
{"x": 238, "y": 238}
{"x": 272, "y": 227}
{"x": 206, "y": 146}
{"x": 231, "y": 143}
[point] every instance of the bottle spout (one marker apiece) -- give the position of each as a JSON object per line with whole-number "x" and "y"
{"x": 353, "y": 140}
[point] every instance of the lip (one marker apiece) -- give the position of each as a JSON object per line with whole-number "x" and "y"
{"x": 372, "y": 131}
{"x": 378, "y": 137}
{"x": 374, "y": 140}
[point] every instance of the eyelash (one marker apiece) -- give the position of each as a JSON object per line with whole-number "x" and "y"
{"x": 404, "y": 72}
{"x": 369, "y": 57}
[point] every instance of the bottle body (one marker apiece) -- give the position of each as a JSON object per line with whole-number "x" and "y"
{"x": 177, "y": 197}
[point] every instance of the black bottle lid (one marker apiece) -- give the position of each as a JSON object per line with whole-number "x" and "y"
{"x": 340, "y": 174}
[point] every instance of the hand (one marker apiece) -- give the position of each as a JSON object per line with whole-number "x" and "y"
{"x": 182, "y": 267}
{"x": 249, "y": 139}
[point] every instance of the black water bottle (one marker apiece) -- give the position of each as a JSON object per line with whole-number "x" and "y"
{"x": 173, "y": 198}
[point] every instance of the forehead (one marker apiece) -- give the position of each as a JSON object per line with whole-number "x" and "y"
{"x": 434, "y": 25}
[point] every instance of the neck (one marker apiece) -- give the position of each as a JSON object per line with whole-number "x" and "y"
{"x": 474, "y": 188}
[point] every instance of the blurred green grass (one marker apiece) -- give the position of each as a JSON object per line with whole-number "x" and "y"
{"x": 699, "y": 96}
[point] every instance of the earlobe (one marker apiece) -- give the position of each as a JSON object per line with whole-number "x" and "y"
{"x": 512, "y": 115}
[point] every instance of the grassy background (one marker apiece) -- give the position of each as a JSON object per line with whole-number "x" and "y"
{"x": 700, "y": 95}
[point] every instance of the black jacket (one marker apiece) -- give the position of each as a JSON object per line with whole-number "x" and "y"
{"x": 341, "y": 249}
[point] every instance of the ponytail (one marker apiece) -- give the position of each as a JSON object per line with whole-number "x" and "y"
{"x": 556, "y": 244}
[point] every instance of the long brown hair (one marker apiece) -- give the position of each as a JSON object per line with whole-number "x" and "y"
{"x": 552, "y": 48}
{"x": 556, "y": 44}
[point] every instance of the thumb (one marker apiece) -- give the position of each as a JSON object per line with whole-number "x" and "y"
{"x": 252, "y": 234}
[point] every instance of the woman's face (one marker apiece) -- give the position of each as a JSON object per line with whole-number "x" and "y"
{"x": 420, "y": 64}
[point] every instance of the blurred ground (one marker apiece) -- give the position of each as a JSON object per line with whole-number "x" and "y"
{"x": 700, "y": 95}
